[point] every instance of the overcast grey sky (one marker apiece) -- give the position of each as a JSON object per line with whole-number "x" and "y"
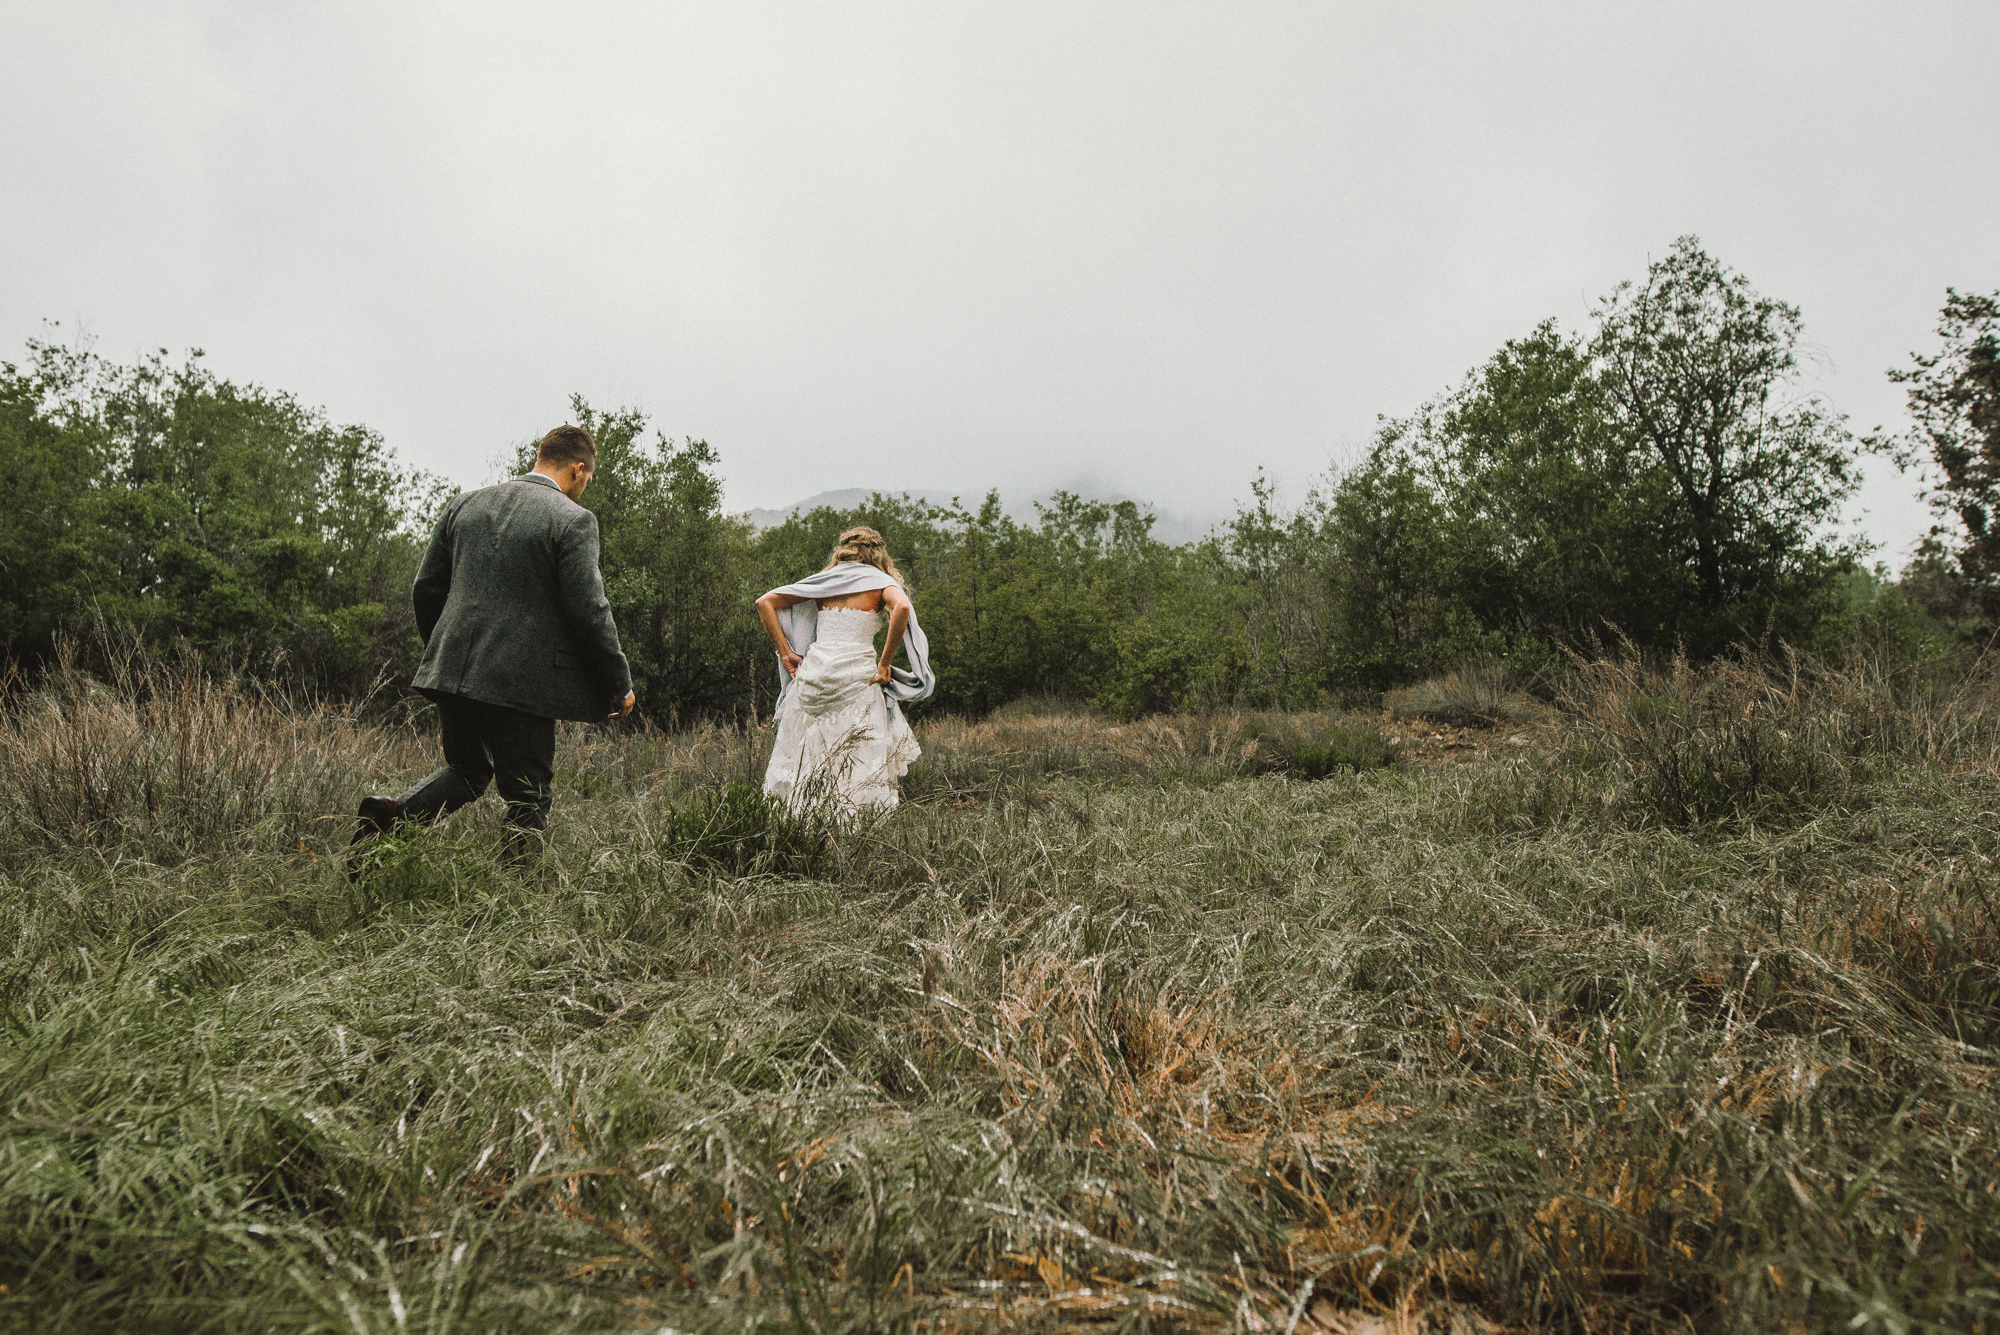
{"x": 946, "y": 246}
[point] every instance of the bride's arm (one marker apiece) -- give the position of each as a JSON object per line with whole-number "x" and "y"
{"x": 898, "y": 604}
{"x": 767, "y": 612}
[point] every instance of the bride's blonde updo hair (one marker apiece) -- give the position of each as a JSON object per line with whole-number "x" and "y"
{"x": 862, "y": 543}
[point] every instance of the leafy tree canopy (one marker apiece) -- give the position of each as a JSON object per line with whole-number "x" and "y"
{"x": 1954, "y": 403}
{"x": 232, "y": 516}
{"x": 1662, "y": 481}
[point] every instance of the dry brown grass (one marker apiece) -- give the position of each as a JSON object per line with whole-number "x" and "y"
{"x": 965, "y": 758}
{"x": 156, "y": 754}
{"x": 1941, "y": 712}
{"x": 1183, "y": 1087}
{"x": 1477, "y": 695}
{"x": 1740, "y": 740}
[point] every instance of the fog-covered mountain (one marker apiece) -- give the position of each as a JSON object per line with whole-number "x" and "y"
{"x": 846, "y": 498}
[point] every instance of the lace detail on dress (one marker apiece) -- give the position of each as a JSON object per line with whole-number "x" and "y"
{"x": 841, "y": 742}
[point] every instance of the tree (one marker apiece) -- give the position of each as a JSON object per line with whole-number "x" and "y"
{"x": 1655, "y": 483}
{"x": 1285, "y": 617}
{"x": 1699, "y": 372}
{"x": 1503, "y": 518}
{"x": 1394, "y": 576}
{"x": 1551, "y": 519}
{"x": 676, "y": 569}
{"x": 227, "y": 515}
{"x": 1954, "y": 401}
{"x": 51, "y": 551}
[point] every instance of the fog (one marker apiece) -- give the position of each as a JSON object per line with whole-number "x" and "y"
{"x": 1143, "y": 248}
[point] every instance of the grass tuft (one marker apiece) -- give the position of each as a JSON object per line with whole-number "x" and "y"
{"x": 1310, "y": 748}
{"x": 1478, "y": 696}
{"x": 740, "y": 831}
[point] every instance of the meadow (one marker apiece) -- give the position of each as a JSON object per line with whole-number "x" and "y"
{"x": 1668, "y": 1003}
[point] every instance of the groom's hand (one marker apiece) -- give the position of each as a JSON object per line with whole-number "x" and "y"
{"x": 624, "y": 709}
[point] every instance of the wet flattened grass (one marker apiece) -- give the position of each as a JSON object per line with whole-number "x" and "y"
{"x": 1104, "y": 1028}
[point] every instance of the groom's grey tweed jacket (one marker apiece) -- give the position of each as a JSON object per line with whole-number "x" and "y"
{"x": 511, "y": 605}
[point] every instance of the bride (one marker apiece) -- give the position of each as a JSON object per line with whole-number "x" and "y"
{"x": 842, "y": 739}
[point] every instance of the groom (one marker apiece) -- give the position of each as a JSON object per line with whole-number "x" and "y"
{"x": 517, "y": 634}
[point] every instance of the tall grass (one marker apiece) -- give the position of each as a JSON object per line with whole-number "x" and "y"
{"x": 156, "y": 754}
{"x": 1478, "y": 695}
{"x": 1774, "y": 741}
{"x": 1103, "y": 1027}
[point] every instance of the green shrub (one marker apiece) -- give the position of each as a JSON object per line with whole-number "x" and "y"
{"x": 1319, "y": 752}
{"x": 1159, "y": 668}
{"x": 741, "y": 830}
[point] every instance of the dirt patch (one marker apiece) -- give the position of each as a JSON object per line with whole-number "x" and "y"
{"x": 1429, "y": 742}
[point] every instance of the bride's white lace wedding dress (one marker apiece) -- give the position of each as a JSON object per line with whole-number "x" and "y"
{"x": 841, "y": 741}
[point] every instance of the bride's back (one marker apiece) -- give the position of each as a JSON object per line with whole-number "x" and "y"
{"x": 846, "y": 626}
{"x": 868, "y": 600}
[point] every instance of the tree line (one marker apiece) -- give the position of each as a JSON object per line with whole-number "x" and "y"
{"x": 1660, "y": 480}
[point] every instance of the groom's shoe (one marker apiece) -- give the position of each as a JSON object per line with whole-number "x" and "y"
{"x": 379, "y": 815}
{"x": 520, "y": 846}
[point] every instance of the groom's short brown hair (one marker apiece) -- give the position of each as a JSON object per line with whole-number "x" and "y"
{"x": 567, "y": 445}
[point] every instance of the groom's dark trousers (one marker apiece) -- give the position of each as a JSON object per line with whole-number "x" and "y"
{"x": 517, "y": 634}
{"x": 484, "y": 743}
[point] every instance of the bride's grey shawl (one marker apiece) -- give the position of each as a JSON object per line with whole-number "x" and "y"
{"x": 800, "y": 622}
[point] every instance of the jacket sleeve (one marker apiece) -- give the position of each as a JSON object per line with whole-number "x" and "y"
{"x": 581, "y": 587}
{"x": 433, "y": 586}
